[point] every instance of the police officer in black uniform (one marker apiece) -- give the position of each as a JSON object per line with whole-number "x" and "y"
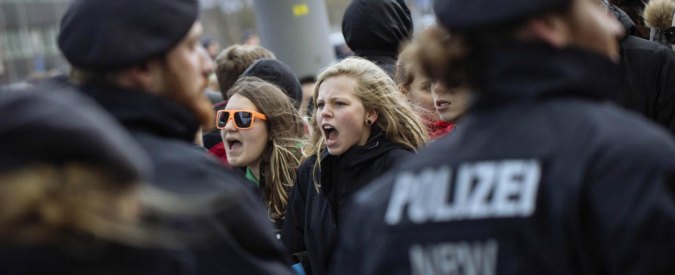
{"x": 542, "y": 176}
{"x": 143, "y": 63}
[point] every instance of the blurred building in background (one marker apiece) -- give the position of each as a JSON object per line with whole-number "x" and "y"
{"x": 28, "y": 30}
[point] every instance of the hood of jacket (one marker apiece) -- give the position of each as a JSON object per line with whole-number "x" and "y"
{"x": 144, "y": 112}
{"x": 376, "y": 27}
{"x": 625, "y": 20}
{"x": 536, "y": 71}
{"x": 658, "y": 15}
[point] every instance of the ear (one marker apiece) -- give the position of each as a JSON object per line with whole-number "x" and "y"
{"x": 146, "y": 76}
{"x": 552, "y": 29}
{"x": 372, "y": 116}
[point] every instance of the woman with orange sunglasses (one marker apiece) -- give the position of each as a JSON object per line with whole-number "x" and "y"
{"x": 263, "y": 133}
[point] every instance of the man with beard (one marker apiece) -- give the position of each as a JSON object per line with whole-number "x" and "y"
{"x": 143, "y": 63}
{"x": 542, "y": 175}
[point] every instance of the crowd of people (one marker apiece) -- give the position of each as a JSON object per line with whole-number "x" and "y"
{"x": 513, "y": 137}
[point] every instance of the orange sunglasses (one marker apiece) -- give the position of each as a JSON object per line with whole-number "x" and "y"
{"x": 243, "y": 119}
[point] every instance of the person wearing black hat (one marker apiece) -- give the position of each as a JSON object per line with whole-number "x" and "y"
{"x": 277, "y": 73}
{"x": 542, "y": 175}
{"x": 375, "y": 30}
{"x": 143, "y": 63}
{"x": 69, "y": 178}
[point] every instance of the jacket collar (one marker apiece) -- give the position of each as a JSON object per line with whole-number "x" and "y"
{"x": 376, "y": 146}
{"x": 142, "y": 111}
{"x": 533, "y": 71}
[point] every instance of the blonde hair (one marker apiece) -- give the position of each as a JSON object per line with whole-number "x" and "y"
{"x": 377, "y": 92}
{"x": 284, "y": 150}
{"x": 42, "y": 203}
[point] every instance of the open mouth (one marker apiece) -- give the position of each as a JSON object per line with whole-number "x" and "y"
{"x": 442, "y": 105}
{"x": 329, "y": 133}
{"x": 233, "y": 144}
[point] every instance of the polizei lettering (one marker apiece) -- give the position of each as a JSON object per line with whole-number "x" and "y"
{"x": 462, "y": 258}
{"x": 491, "y": 189}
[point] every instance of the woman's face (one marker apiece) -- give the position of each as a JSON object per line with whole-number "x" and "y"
{"x": 341, "y": 116}
{"x": 244, "y": 147}
{"x": 450, "y": 104}
{"x": 419, "y": 95}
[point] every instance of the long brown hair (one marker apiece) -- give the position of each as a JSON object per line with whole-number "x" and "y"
{"x": 284, "y": 150}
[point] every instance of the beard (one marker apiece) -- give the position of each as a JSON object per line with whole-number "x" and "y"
{"x": 195, "y": 101}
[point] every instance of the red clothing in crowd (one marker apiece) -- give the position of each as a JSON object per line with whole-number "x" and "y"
{"x": 439, "y": 128}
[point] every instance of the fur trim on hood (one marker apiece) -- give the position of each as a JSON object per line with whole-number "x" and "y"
{"x": 658, "y": 14}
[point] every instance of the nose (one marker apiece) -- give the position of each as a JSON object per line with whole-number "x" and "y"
{"x": 229, "y": 126}
{"x": 207, "y": 64}
{"x": 326, "y": 111}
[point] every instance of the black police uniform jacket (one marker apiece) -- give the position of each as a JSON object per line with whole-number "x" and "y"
{"x": 241, "y": 237}
{"x": 311, "y": 225}
{"x": 540, "y": 178}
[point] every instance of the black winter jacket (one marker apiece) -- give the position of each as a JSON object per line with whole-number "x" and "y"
{"x": 375, "y": 30}
{"x": 648, "y": 73}
{"x": 311, "y": 225}
{"x": 539, "y": 178}
{"x": 91, "y": 257}
{"x": 243, "y": 242}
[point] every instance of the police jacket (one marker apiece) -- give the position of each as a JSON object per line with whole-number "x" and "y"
{"x": 312, "y": 218}
{"x": 540, "y": 177}
{"x": 648, "y": 75}
{"x": 242, "y": 236}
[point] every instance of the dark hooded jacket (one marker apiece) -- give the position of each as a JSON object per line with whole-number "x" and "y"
{"x": 648, "y": 75}
{"x": 540, "y": 177}
{"x": 241, "y": 240}
{"x": 311, "y": 227}
{"x": 83, "y": 257}
{"x": 375, "y": 29}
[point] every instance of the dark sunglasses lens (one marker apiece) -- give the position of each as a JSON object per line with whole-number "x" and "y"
{"x": 243, "y": 119}
{"x": 669, "y": 34}
{"x": 222, "y": 119}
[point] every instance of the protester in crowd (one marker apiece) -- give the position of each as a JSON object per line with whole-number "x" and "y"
{"x": 263, "y": 134}
{"x": 417, "y": 87}
{"x": 230, "y": 64}
{"x": 154, "y": 87}
{"x": 659, "y": 16}
{"x": 450, "y": 104}
{"x": 648, "y": 72}
{"x": 274, "y": 72}
{"x": 211, "y": 45}
{"x": 361, "y": 128}
{"x": 69, "y": 191}
{"x": 250, "y": 38}
{"x": 375, "y": 30}
{"x": 542, "y": 176}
